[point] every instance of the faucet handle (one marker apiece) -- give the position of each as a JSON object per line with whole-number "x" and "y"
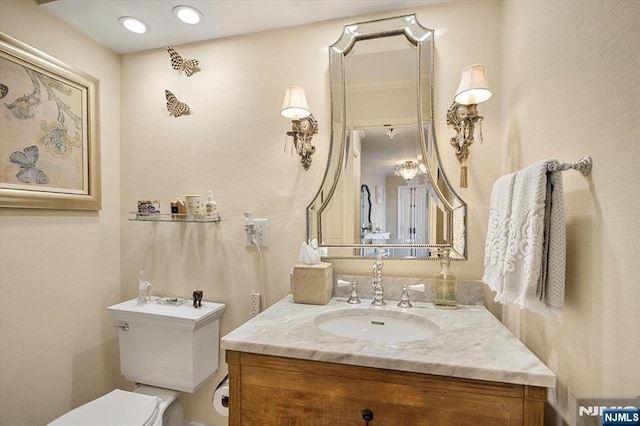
{"x": 353, "y": 297}
{"x": 404, "y": 298}
{"x": 342, "y": 283}
{"x": 417, "y": 287}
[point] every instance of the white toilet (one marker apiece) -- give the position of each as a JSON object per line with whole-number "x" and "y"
{"x": 165, "y": 348}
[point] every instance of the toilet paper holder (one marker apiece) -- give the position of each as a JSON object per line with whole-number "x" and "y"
{"x": 220, "y": 397}
{"x": 225, "y": 398}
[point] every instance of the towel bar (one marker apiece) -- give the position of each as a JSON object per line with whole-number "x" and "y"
{"x": 583, "y": 166}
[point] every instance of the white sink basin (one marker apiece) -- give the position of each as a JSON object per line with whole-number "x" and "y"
{"x": 378, "y": 325}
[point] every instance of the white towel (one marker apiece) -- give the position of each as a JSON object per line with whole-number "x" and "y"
{"x": 528, "y": 270}
{"x": 498, "y": 232}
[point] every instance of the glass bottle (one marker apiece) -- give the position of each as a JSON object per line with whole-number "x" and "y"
{"x": 144, "y": 290}
{"x": 444, "y": 285}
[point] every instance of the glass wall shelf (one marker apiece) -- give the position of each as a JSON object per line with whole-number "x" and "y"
{"x": 170, "y": 217}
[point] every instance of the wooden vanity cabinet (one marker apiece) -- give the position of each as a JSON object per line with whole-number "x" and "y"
{"x": 269, "y": 390}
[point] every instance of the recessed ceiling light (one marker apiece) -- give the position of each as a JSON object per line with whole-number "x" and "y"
{"x": 187, "y": 14}
{"x": 134, "y": 25}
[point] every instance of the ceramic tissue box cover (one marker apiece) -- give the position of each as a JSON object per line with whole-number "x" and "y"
{"x": 312, "y": 284}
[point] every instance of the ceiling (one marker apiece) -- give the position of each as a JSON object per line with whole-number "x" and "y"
{"x": 380, "y": 152}
{"x": 98, "y": 19}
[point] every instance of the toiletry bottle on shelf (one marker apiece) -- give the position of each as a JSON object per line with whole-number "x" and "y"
{"x": 175, "y": 210}
{"x": 182, "y": 209}
{"x": 178, "y": 209}
{"x": 211, "y": 207}
{"x": 444, "y": 285}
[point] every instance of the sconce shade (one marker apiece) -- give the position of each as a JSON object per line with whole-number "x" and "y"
{"x": 474, "y": 87}
{"x": 295, "y": 104}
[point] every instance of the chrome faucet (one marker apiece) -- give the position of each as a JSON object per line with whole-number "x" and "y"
{"x": 353, "y": 296}
{"x": 404, "y": 298}
{"x": 376, "y": 282}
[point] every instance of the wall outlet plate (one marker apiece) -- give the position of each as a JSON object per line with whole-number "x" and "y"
{"x": 261, "y": 233}
{"x": 255, "y": 304}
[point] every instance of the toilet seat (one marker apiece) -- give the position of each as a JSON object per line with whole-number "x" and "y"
{"x": 115, "y": 408}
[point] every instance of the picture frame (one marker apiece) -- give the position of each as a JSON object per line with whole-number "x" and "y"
{"x": 381, "y": 194}
{"x": 49, "y": 138}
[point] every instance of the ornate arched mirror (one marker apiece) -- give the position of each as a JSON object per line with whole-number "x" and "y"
{"x": 382, "y": 137}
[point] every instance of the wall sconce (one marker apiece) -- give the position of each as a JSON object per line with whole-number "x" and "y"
{"x": 303, "y": 124}
{"x": 463, "y": 113}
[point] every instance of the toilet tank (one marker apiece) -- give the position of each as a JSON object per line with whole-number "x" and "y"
{"x": 167, "y": 345}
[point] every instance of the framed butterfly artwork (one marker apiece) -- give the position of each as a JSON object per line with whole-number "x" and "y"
{"x": 49, "y": 137}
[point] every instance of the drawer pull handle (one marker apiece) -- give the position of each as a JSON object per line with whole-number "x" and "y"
{"x": 367, "y": 416}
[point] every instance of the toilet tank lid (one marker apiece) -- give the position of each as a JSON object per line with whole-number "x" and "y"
{"x": 183, "y": 316}
{"x": 115, "y": 408}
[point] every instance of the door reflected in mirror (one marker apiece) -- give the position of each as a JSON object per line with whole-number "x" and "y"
{"x": 385, "y": 188}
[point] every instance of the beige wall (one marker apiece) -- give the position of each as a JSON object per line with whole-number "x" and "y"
{"x": 54, "y": 358}
{"x": 60, "y": 269}
{"x": 571, "y": 85}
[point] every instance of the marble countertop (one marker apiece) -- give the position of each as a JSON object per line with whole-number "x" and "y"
{"x": 471, "y": 343}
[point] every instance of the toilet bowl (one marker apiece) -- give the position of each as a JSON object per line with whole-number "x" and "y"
{"x": 164, "y": 349}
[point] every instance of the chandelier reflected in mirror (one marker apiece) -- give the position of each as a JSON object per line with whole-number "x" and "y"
{"x": 391, "y": 132}
{"x": 409, "y": 169}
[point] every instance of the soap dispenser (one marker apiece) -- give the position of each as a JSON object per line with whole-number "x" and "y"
{"x": 444, "y": 285}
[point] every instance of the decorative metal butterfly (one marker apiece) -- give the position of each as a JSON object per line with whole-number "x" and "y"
{"x": 179, "y": 63}
{"x": 27, "y": 159}
{"x": 174, "y": 106}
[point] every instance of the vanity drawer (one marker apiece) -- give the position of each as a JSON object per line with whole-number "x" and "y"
{"x": 271, "y": 390}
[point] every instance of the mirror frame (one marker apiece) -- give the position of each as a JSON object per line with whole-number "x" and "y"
{"x": 456, "y": 218}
